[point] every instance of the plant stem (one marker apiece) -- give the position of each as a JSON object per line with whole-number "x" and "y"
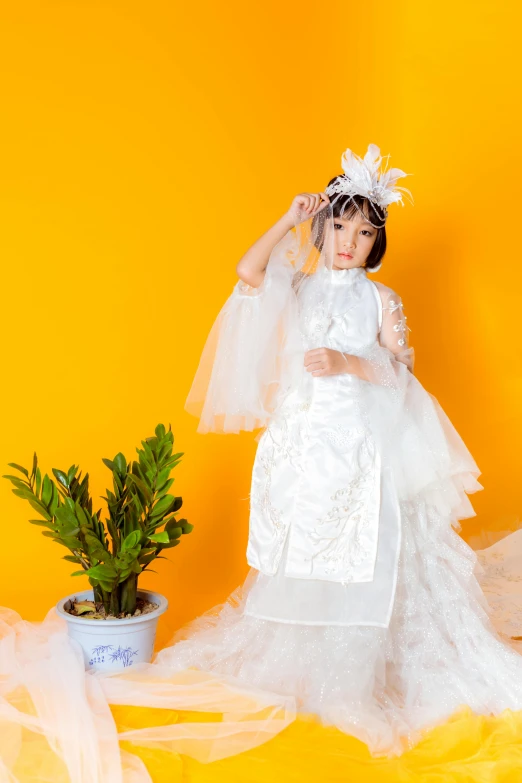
{"x": 114, "y": 605}
{"x": 105, "y": 597}
{"x": 128, "y": 594}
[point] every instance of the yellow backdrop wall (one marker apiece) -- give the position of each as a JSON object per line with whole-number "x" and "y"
{"x": 130, "y": 132}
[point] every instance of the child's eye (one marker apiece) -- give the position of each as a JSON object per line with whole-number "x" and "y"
{"x": 364, "y": 231}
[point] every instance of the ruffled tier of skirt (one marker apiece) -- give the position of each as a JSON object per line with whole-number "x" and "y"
{"x": 385, "y": 686}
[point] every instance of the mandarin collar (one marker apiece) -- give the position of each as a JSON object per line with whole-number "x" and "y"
{"x": 345, "y": 276}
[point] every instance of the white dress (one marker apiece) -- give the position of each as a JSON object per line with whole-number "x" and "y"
{"x": 362, "y": 604}
{"x": 318, "y": 491}
{"x": 364, "y": 607}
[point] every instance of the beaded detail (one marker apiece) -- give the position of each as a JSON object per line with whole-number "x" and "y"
{"x": 401, "y": 325}
{"x": 343, "y": 437}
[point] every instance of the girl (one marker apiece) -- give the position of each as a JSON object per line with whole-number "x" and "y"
{"x": 362, "y": 604}
{"x": 361, "y": 601}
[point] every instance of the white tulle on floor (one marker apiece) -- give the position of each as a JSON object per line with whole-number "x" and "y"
{"x": 384, "y": 686}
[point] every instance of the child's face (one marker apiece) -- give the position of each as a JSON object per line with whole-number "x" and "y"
{"x": 355, "y": 238}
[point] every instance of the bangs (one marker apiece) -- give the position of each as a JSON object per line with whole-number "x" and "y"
{"x": 346, "y": 209}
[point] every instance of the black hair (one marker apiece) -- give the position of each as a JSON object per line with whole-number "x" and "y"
{"x": 345, "y": 208}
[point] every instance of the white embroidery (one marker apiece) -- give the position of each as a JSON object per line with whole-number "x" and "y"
{"x": 342, "y": 545}
{"x": 269, "y": 510}
{"x": 286, "y": 440}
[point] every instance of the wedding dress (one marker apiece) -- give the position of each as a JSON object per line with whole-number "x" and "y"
{"x": 362, "y": 606}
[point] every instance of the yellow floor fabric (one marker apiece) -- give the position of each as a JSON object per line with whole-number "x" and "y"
{"x": 466, "y": 749}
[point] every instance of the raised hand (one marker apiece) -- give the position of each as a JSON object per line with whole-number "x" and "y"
{"x": 306, "y": 205}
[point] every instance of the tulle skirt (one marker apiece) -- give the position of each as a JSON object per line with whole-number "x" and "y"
{"x": 252, "y": 696}
{"x": 385, "y": 686}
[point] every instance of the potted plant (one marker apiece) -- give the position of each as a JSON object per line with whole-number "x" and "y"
{"x": 114, "y": 622}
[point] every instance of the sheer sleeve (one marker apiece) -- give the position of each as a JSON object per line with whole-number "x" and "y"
{"x": 414, "y": 437}
{"x": 394, "y": 328}
{"x": 252, "y": 352}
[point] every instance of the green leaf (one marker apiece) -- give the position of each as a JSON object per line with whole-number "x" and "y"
{"x": 120, "y": 463}
{"x": 102, "y": 572}
{"x": 155, "y": 525}
{"x": 141, "y": 486}
{"x": 61, "y": 477}
{"x": 186, "y": 526}
{"x": 124, "y": 559}
{"x": 41, "y": 523}
{"x": 38, "y": 482}
{"x": 72, "y": 559}
{"x": 160, "y": 430}
{"x": 19, "y": 467}
{"x": 173, "y": 526}
{"x": 113, "y": 530}
{"x": 149, "y": 452}
{"x": 165, "y": 452}
{"x": 109, "y": 463}
{"x": 71, "y": 473}
{"x": 20, "y": 483}
{"x": 147, "y": 559}
{"x": 131, "y": 541}
{"x": 162, "y": 506}
{"x": 79, "y": 573}
{"x": 47, "y": 491}
{"x": 161, "y": 538}
{"x": 38, "y": 507}
{"x": 140, "y": 510}
{"x": 82, "y": 516}
{"x": 172, "y": 543}
{"x": 164, "y": 488}
{"x": 117, "y": 482}
{"x": 65, "y": 516}
{"x": 55, "y": 501}
{"x": 23, "y": 493}
{"x": 71, "y": 505}
{"x": 70, "y": 542}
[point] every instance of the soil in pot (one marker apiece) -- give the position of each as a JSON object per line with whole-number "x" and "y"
{"x": 91, "y": 610}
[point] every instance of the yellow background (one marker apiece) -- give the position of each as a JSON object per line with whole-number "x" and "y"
{"x": 145, "y": 146}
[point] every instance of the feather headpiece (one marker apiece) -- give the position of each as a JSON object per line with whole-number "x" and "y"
{"x": 362, "y": 177}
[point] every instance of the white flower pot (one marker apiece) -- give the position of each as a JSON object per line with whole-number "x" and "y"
{"x": 113, "y": 645}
